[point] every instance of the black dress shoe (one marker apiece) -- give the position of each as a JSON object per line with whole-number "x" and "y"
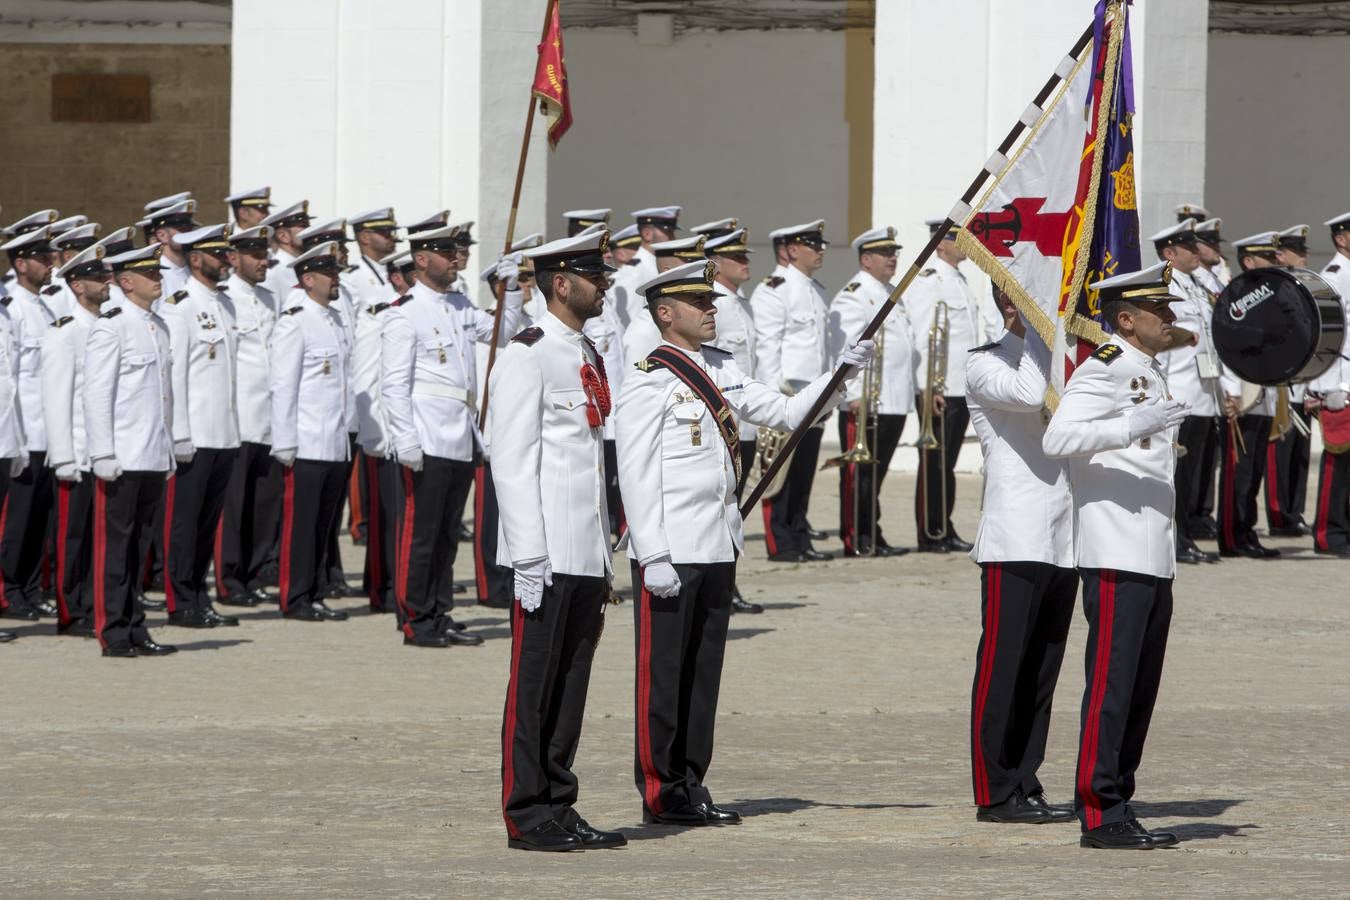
{"x": 1127, "y": 835}
{"x": 1017, "y": 810}
{"x": 219, "y": 619}
{"x": 448, "y": 623}
{"x": 549, "y": 837}
{"x": 47, "y": 609}
{"x": 717, "y": 815}
{"x": 149, "y": 647}
{"x": 956, "y": 545}
{"x": 815, "y": 534}
{"x": 7, "y": 636}
{"x": 427, "y": 640}
{"x": 1298, "y": 529}
{"x": 338, "y": 589}
{"x": 120, "y": 652}
{"x": 791, "y": 556}
{"x": 462, "y": 638}
{"x": 1059, "y": 812}
{"x": 933, "y": 547}
{"x": 1260, "y": 551}
{"x": 885, "y": 549}
{"x": 151, "y": 605}
{"x": 688, "y": 816}
{"x": 741, "y": 605}
{"x": 1159, "y": 838}
{"x": 26, "y": 613}
{"x": 459, "y": 587}
{"x": 1190, "y": 555}
{"x": 191, "y": 618}
{"x": 321, "y": 611}
{"x": 255, "y": 597}
{"x": 1204, "y": 528}
{"x": 816, "y": 555}
{"x": 76, "y": 629}
{"x": 593, "y": 838}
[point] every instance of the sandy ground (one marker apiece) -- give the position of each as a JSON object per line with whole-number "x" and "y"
{"x": 287, "y": 759}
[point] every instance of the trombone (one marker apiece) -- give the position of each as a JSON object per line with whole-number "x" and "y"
{"x": 862, "y": 453}
{"x": 930, "y": 438}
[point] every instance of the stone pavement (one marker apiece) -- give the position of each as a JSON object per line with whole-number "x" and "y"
{"x": 289, "y": 759}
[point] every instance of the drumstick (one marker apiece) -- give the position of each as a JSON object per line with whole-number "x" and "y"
{"x": 1237, "y": 435}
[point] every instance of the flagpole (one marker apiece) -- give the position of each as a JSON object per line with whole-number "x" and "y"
{"x": 500, "y": 290}
{"x": 961, "y": 210}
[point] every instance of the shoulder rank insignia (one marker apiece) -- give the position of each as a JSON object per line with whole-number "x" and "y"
{"x": 378, "y": 308}
{"x": 292, "y": 311}
{"x": 1334, "y": 267}
{"x": 63, "y": 321}
{"x": 1107, "y": 353}
{"x": 643, "y": 365}
{"x": 177, "y": 297}
{"x": 529, "y": 336}
{"x": 927, "y": 272}
{"x": 774, "y": 281}
{"x": 981, "y": 349}
{"x": 51, "y": 289}
{"x": 401, "y": 300}
{"x": 112, "y": 313}
{"x": 852, "y": 286}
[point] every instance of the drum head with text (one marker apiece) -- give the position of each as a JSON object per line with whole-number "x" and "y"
{"x": 1276, "y": 325}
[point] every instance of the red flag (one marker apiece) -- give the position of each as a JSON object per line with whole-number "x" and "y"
{"x": 550, "y": 80}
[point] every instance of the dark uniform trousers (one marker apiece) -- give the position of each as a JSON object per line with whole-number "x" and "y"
{"x": 1195, "y": 473}
{"x": 193, "y": 500}
{"x": 860, "y": 485}
{"x": 74, "y": 555}
{"x": 248, "y": 521}
{"x": 612, "y": 499}
{"x": 311, "y": 498}
{"x": 935, "y": 465}
{"x": 680, "y": 644}
{"x": 383, "y": 492}
{"x": 551, "y": 651}
{"x": 124, "y": 509}
{"x": 494, "y": 582}
{"x": 23, "y": 532}
{"x": 1128, "y": 616}
{"x": 433, "y": 503}
{"x": 1331, "y": 527}
{"x": 1027, "y": 607}
{"x": 330, "y": 564}
{"x": 785, "y": 529}
{"x": 1287, "y": 463}
{"x": 1240, "y": 480}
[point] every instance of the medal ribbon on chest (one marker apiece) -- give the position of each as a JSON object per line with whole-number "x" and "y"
{"x": 596, "y": 386}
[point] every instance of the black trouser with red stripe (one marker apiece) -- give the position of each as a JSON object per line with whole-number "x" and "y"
{"x": 785, "y": 529}
{"x": 193, "y": 501}
{"x": 23, "y": 532}
{"x": 124, "y": 509}
{"x": 859, "y": 485}
{"x": 1240, "y": 480}
{"x": 248, "y": 521}
{"x": 311, "y": 500}
{"x": 1128, "y": 616}
{"x": 384, "y": 504}
{"x": 1331, "y": 527}
{"x": 551, "y": 651}
{"x": 932, "y": 518}
{"x": 358, "y": 491}
{"x": 1195, "y": 473}
{"x": 1027, "y": 607}
{"x": 493, "y": 581}
{"x": 680, "y": 644}
{"x": 612, "y": 499}
{"x": 330, "y": 565}
{"x": 433, "y": 504}
{"x": 74, "y": 551}
{"x": 1287, "y": 464}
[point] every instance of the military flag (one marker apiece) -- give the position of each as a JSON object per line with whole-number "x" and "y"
{"x": 550, "y": 78}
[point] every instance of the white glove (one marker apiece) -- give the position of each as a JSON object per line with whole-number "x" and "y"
{"x": 1335, "y": 401}
{"x": 183, "y": 451}
{"x": 532, "y": 576}
{"x": 107, "y": 469}
{"x": 508, "y": 270}
{"x": 68, "y": 472}
{"x": 1157, "y": 416}
{"x": 412, "y": 459}
{"x": 285, "y": 456}
{"x": 661, "y": 579}
{"x": 858, "y": 356}
{"x": 18, "y": 464}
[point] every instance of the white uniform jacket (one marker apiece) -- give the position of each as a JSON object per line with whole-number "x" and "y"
{"x": 128, "y": 390}
{"x": 1193, "y": 372}
{"x": 12, "y": 443}
{"x": 368, "y": 283}
{"x": 310, "y": 385}
{"x": 639, "y": 270}
{"x": 175, "y": 278}
{"x": 255, "y": 312}
{"x": 641, "y": 336}
{"x": 943, "y": 281}
{"x": 671, "y": 455}
{"x": 1337, "y": 377}
{"x": 371, "y": 432}
{"x": 34, "y": 314}
{"x": 1027, "y": 511}
{"x": 548, "y": 462}
{"x": 736, "y": 335}
{"x": 606, "y": 331}
{"x": 790, "y": 322}
{"x": 281, "y": 279}
{"x": 202, "y": 340}
{"x": 428, "y": 374}
{"x": 1123, "y": 498}
{"x": 850, "y": 312}
{"x": 62, "y": 387}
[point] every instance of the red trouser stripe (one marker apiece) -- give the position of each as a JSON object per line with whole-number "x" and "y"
{"x": 169, "y": 599}
{"x": 287, "y": 527}
{"x": 1273, "y": 486}
{"x": 219, "y": 556}
{"x": 1101, "y": 670}
{"x": 766, "y": 506}
{"x": 100, "y": 560}
{"x": 1324, "y": 501}
{"x": 63, "y": 489}
{"x": 993, "y": 602}
{"x": 374, "y": 531}
{"x": 480, "y": 570}
{"x": 1228, "y": 514}
{"x": 846, "y": 501}
{"x": 509, "y": 724}
{"x": 4, "y": 515}
{"x": 651, "y": 793}
{"x": 405, "y": 551}
{"x": 354, "y": 498}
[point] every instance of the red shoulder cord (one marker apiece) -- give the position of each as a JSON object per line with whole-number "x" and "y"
{"x": 596, "y": 386}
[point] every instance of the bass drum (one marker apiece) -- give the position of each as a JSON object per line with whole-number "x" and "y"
{"x": 1277, "y": 325}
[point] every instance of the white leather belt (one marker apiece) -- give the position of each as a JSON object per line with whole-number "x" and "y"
{"x": 450, "y": 392}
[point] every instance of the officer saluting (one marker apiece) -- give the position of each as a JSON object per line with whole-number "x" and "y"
{"x": 679, "y": 451}
{"x": 128, "y": 419}
{"x": 1116, "y": 423}
{"x": 550, "y": 400}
